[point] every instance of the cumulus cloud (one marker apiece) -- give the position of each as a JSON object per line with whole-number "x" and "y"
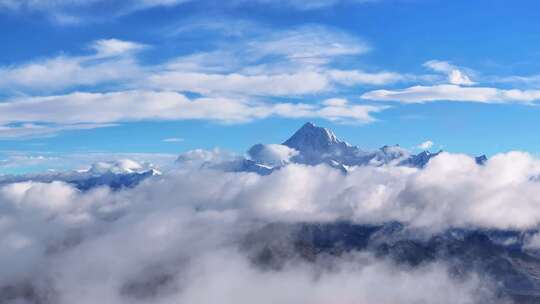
{"x": 452, "y": 191}
{"x": 272, "y": 155}
{"x": 61, "y": 243}
{"x": 455, "y": 74}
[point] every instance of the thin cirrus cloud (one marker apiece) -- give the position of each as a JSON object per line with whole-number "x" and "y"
{"x": 173, "y": 140}
{"x": 70, "y": 12}
{"x": 112, "y": 60}
{"x": 291, "y": 63}
{"x": 32, "y": 130}
{"x": 103, "y": 108}
{"x": 457, "y": 87}
{"x": 450, "y": 92}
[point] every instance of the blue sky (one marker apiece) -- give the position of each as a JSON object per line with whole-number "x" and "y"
{"x": 153, "y": 78}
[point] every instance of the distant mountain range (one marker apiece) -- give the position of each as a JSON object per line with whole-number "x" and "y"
{"x": 313, "y": 145}
{"x": 310, "y": 145}
{"x": 114, "y": 174}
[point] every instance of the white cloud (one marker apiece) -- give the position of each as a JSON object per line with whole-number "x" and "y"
{"x": 69, "y": 12}
{"x": 309, "y": 44}
{"x": 271, "y": 63}
{"x": 77, "y": 11}
{"x": 150, "y": 105}
{"x": 71, "y": 242}
{"x": 59, "y": 239}
{"x": 173, "y": 140}
{"x": 455, "y": 74}
{"x": 294, "y": 62}
{"x": 457, "y": 77}
{"x": 24, "y": 161}
{"x": 272, "y": 155}
{"x": 115, "y": 47}
{"x": 66, "y": 242}
{"x": 355, "y": 77}
{"x": 307, "y": 5}
{"x": 423, "y": 94}
{"x": 282, "y": 63}
{"x": 426, "y": 145}
{"x": 452, "y": 191}
{"x": 263, "y": 85}
{"x": 112, "y": 62}
{"x": 30, "y": 130}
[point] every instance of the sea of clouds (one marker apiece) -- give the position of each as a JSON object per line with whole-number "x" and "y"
{"x": 177, "y": 238}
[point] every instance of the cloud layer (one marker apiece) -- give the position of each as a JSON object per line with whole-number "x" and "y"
{"x": 450, "y": 92}
{"x": 238, "y": 81}
{"x": 62, "y": 243}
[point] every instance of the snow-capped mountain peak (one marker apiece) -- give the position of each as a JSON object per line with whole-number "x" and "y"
{"x": 313, "y": 145}
{"x": 311, "y": 137}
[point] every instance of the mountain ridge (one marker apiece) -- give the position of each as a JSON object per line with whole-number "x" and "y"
{"x": 317, "y": 145}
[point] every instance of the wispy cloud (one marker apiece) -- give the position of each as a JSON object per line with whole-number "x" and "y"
{"x": 77, "y": 11}
{"x": 122, "y": 106}
{"x": 236, "y": 82}
{"x": 33, "y": 130}
{"x": 449, "y": 92}
{"x": 112, "y": 61}
{"x": 173, "y": 140}
{"x": 264, "y": 62}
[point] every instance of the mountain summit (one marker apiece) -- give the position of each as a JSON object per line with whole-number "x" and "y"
{"x": 313, "y": 145}
{"x": 316, "y": 145}
{"x": 311, "y": 137}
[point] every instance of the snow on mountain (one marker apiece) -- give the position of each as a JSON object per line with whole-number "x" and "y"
{"x": 114, "y": 174}
{"x": 310, "y": 145}
{"x": 320, "y": 145}
{"x": 122, "y": 166}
